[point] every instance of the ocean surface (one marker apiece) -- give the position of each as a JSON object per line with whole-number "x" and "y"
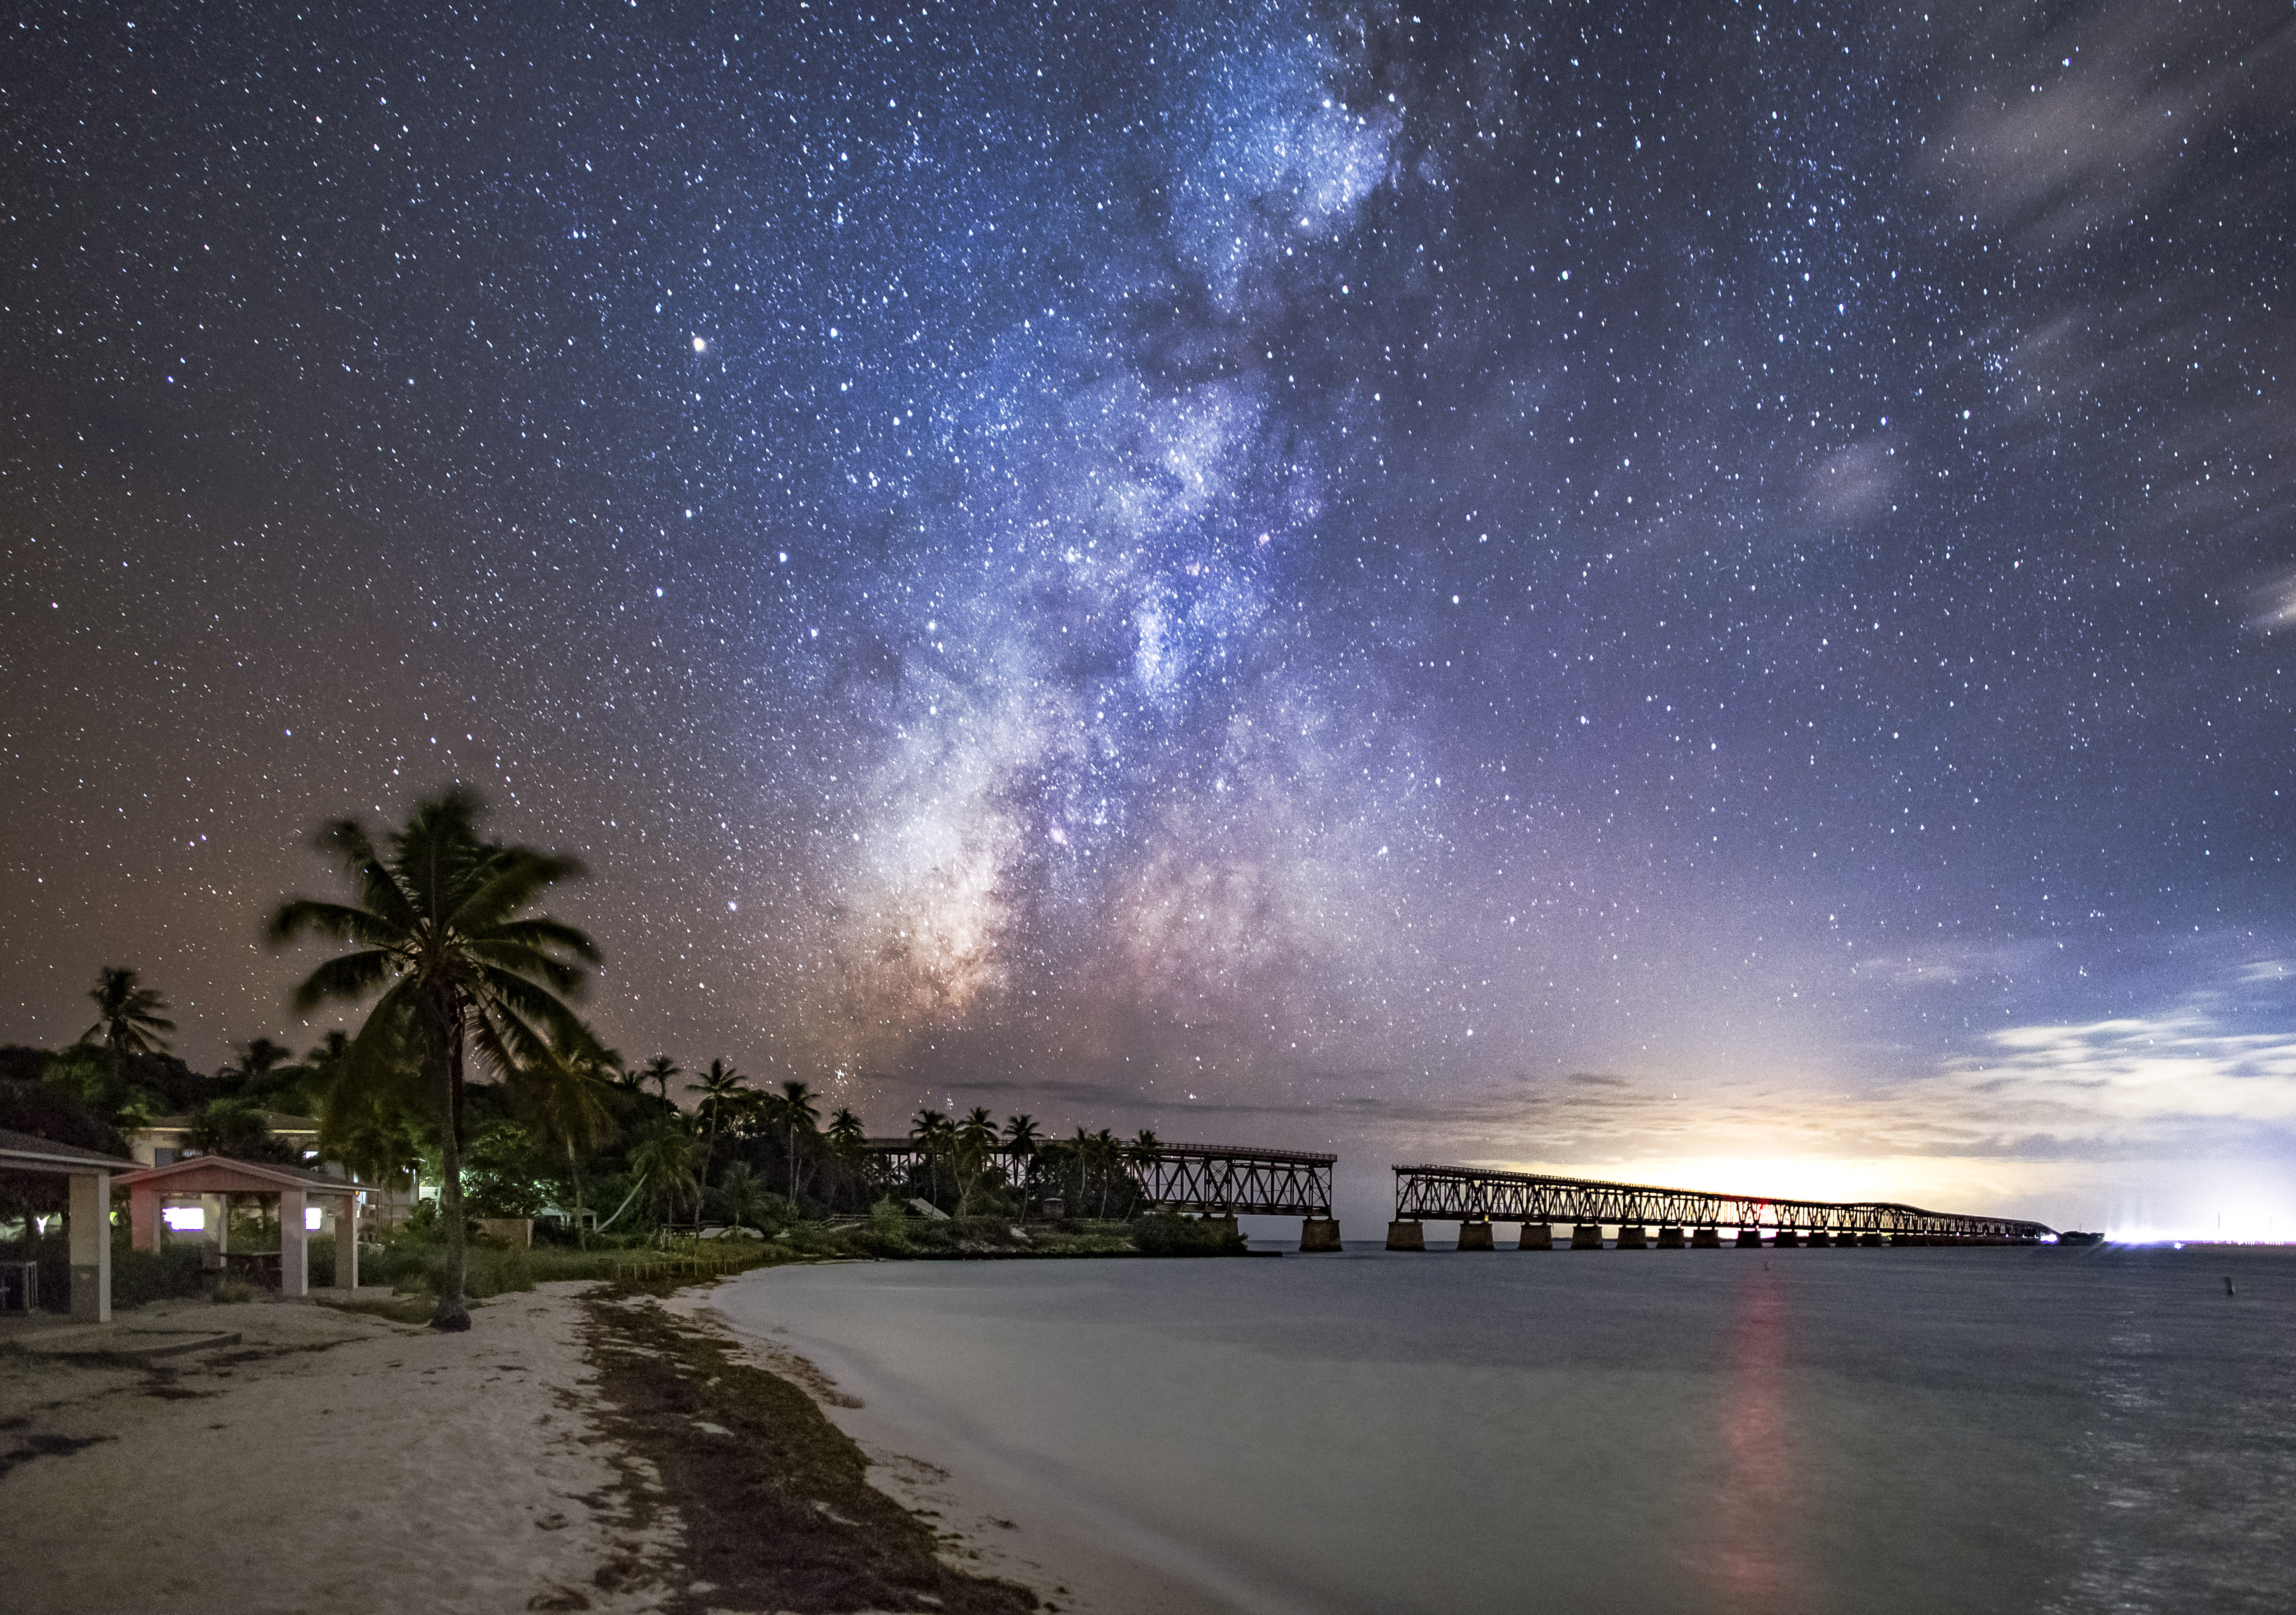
{"x": 1828, "y": 1431}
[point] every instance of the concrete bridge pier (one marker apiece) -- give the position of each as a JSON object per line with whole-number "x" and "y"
{"x": 1411, "y": 1235}
{"x": 1670, "y": 1237}
{"x": 1632, "y": 1238}
{"x": 1749, "y": 1238}
{"x": 1706, "y": 1238}
{"x": 1537, "y": 1236}
{"x": 1475, "y": 1236}
{"x": 1586, "y": 1237}
{"x": 1870, "y": 1240}
{"x": 1787, "y": 1239}
{"x": 1319, "y": 1234}
{"x": 1819, "y": 1237}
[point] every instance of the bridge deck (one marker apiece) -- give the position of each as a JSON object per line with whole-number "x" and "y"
{"x": 1436, "y": 1193}
{"x": 1236, "y": 1180}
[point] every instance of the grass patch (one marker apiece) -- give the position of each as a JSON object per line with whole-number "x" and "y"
{"x": 778, "y": 1512}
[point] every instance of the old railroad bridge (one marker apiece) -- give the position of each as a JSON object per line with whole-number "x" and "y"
{"x": 1226, "y": 1181}
{"x": 1647, "y": 1217}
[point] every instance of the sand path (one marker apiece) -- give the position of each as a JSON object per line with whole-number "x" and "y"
{"x": 330, "y": 1461}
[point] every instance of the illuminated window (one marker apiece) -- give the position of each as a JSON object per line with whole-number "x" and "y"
{"x": 185, "y": 1219}
{"x": 311, "y": 1215}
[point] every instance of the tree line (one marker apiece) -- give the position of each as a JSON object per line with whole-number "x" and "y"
{"x": 472, "y": 1072}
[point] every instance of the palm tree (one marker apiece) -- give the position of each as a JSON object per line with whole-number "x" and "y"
{"x": 721, "y": 1089}
{"x": 1107, "y": 1155}
{"x": 799, "y": 1115}
{"x": 440, "y": 937}
{"x": 972, "y": 1145}
{"x": 663, "y": 1160}
{"x": 846, "y": 1136}
{"x": 745, "y": 1196}
{"x": 930, "y": 1133}
{"x": 1021, "y": 1140}
{"x": 563, "y": 1098}
{"x": 659, "y": 1070}
{"x": 128, "y": 1016}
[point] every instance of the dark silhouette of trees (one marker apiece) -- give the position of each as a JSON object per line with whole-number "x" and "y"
{"x": 442, "y": 936}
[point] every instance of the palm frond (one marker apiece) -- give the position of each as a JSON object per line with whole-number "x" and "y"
{"x": 302, "y": 916}
{"x": 519, "y": 959}
{"x": 513, "y": 879}
{"x": 352, "y": 976}
{"x": 543, "y": 931}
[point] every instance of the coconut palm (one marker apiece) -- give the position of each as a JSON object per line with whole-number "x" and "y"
{"x": 846, "y": 1136}
{"x": 659, "y": 1070}
{"x": 128, "y": 1017}
{"x": 563, "y": 1099}
{"x": 970, "y": 1145}
{"x": 746, "y": 1198}
{"x": 931, "y": 1134}
{"x": 461, "y": 968}
{"x": 797, "y": 1115}
{"x": 663, "y": 1161}
{"x": 1021, "y": 1140}
{"x": 723, "y": 1089}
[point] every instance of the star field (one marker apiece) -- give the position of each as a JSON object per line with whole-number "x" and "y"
{"x": 1542, "y": 584}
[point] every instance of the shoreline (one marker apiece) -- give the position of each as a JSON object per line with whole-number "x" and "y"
{"x": 1077, "y": 1562}
{"x": 610, "y": 1446}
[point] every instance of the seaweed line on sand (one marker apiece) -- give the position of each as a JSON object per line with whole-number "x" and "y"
{"x": 776, "y": 1507}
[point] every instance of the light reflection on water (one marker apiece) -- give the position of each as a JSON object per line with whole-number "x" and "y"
{"x": 1757, "y": 1508}
{"x": 1892, "y": 1432}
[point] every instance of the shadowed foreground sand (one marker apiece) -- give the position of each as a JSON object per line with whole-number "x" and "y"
{"x": 329, "y": 1460}
{"x": 336, "y": 1459}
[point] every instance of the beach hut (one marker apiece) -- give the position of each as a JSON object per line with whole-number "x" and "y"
{"x": 87, "y": 1212}
{"x": 207, "y": 1177}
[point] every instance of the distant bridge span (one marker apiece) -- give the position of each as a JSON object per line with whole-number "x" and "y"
{"x": 1207, "y": 1180}
{"x": 1472, "y": 1196}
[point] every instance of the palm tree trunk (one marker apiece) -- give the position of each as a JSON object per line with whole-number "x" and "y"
{"x": 454, "y": 1312}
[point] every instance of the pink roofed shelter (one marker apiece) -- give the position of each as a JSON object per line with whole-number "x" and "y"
{"x": 221, "y": 1175}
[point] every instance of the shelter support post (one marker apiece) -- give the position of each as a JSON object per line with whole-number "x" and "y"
{"x": 294, "y": 1244}
{"x": 143, "y": 1218}
{"x": 346, "y": 1243}
{"x": 88, "y": 1225}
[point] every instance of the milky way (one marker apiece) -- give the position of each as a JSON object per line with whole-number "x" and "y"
{"x": 1534, "y": 583}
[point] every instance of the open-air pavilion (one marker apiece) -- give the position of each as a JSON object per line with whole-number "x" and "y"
{"x": 210, "y": 1179}
{"x": 87, "y": 1212}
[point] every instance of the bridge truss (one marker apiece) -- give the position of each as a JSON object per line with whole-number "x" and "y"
{"x": 1470, "y": 1194}
{"x": 1231, "y": 1180}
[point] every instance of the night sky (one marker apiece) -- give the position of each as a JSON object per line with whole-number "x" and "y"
{"x": 1677, "y": 591}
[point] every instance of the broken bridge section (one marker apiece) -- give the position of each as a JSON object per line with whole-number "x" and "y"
{"x": 1214, "y": 1181}
{"x": 1667, "y": 1218}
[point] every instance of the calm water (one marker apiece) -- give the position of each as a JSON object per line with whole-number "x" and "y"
{"x": 1804, "y": 1431}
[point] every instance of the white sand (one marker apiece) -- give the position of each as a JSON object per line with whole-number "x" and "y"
{"x": 363, "y": 1465}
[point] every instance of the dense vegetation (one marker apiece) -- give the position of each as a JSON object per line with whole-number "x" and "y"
{"x": 472, "y": 1078}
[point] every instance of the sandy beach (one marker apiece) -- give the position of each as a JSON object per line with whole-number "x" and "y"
{"x": 328, "y": 1459}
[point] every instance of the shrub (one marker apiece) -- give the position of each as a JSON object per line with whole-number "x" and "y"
{"x": 1167, "y": 1235}
{"x": 138, "y": 1276}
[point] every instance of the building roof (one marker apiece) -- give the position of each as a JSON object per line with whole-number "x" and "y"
{"x": 44, "y": 1154}
{"x": 229, "y": 1174}
{"x": 274, "y": 1122}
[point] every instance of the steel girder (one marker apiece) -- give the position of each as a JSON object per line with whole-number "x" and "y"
{"x": 1231, "y": 1180}
{"x": 1467, "y": 1194}
{"x": 1225, "y": 1179}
